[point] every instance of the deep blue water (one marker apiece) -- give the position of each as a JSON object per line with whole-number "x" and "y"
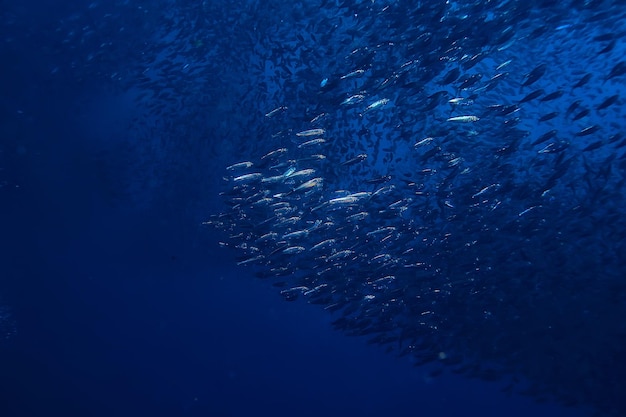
{"x": 117, "y": 301}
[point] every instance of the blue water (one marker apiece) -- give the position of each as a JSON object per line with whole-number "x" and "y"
{"x": 117, "y": 120}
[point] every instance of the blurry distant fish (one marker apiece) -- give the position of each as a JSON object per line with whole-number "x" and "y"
{"x": 593, "y": 146}
{"x": 532, "y": 95}
{"x": 618, "y": 70}
{"x": 552, "y": 96}
{"x": 545, "y": 137}
{"x": 469, "y": 81}
{"x": 549, "y": 116}
{"x": 584, "y": 80}
{"x": 581, "y": 114}
{"x": 534, "y": 75}
{"x": 608, "y": 48}
{"x": 572, "y": 107}
{"x": 607, "y": 102}
{"x": 450, "y": 76}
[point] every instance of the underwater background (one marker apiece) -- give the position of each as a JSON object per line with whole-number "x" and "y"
{"x": 435, "y": 187}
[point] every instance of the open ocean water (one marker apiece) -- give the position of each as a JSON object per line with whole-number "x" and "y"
{"x": 321, "y": 208}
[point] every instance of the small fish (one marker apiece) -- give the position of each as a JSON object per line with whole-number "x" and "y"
{"x": 302, "y": 173}
{"x": 249, "y": 177}
{"x": 485, "y": 190}
{"x": 273, "y": 179}
{"x": 250, "y": 260}
{"x": 312, "y": 142}
{"x": 266, "y": 237}
{"x": 318, "y": 118}
{"x": 275, "y": 111}
{"x": 588, "y": 130}
{"x": 604, "y": 37}
{"x": 290, "y": 221}
{"x": 262, "y": 202}
{"x": 534, "y": 75}
{"x": 384, "y": 190}
{"x": 296, "y": 235}
{"x": 617, "y": 70}
{"x": 349, "y": 199}
{"x": 357, "y": 217}
{"x": 552, "y": 96}
{"x": 423, "y": 142}
{"x": 309, "y": 184}
{"x": 381, "y": 230}
{"x": 239, "y": 165}
{"x": 456, "y": 101}
{"x": 354, "y": 99}
{"x": 450, "y": 76}
{"x": 355, "y": 160}
{"x": 470, "y": 81}
{"x": 323, "y": 244}
{"x": 293, "y": 250}
{"x": 554, "y": 147}
{"x": 274, "y": 153}
{"x": 607, "y": 102}
{"x": 463, "y": 119}
{"x": 614, "y": 138}
{"x": 584, "y": 80}
{"x": 581, "y": 114}
{"x": 497, "y": 77}
{"x": 572, "y": 107}
{"x": 340, "y": 254}
{"x": 378, "y": 180}
{"x": 311, "y": 132}
{"x": 289, "y": 172}
{"x": 608, "y": 48}
{"x": 593, "y": 146}
{"x": 528, "y": 210}
{"x": 355, "y": 73}
{"x": 548, "y": 116}
{"x": 455, "y": 161}
{"x": 314, "y": 290}
{"x": 507, "y": 45}
{"x": 292, "y": 294}
{"x": 378, "y": 103}
{"x": 314, "y": 157}
{"x": 504, "y": 64}
{"x": 282, "y": 165}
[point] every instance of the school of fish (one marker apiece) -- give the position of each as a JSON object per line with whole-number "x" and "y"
{"x": 446, "y": 178}
{"x": 449, "y": 183}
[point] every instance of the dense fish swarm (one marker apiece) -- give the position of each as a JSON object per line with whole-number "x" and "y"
{"x": 446, "y": 178}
